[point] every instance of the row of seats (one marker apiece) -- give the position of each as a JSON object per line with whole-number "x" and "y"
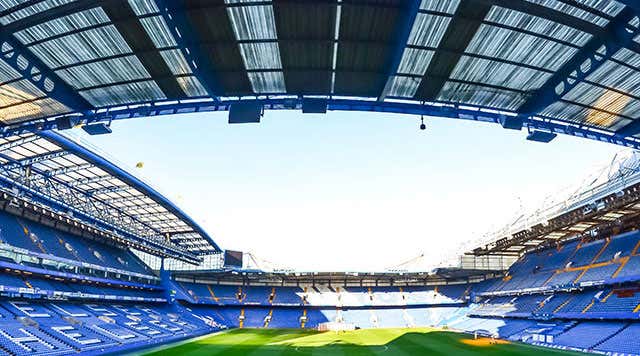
{"x": 42, "y": 239}
{"x": 61, "y": 328}
{"x": 323, "y": 295}
{"x": 601, "y": 303}
{"x": 307, "y": 317}
{"x": 574, "y": 262}
{"x": 53, "y": 285}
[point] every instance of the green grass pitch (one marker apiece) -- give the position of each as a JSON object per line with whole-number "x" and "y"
{"x": 388, "y": 342}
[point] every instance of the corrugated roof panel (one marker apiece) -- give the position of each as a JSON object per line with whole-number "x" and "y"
{"x": 262, "y": 55}
{"x": 428, "y": 30}
{"x": 617, "y": 77}
{"x": 415, "y": 61}
{"x": 448, "y": 6}
{"x": 610, "y": 7}
{"x": 479, "y": 70}
{"x": 158, "y": 31}
{"x": 36, "y": 8}
{"x": 144, "y": 7}
{"x": 62, "y": 25}
{"x": 192, "y": 86}
{"x": 628, "y": 57}
{"x": 267, "y": 82}
{"x": 176, "y": 61}
{"x": 7, "y": 72}
{"x": 604, "y": 99}
{"x": 31, "y": 110}
{"x": 520, "y": 47}
{"x": 255, "y": 22}
{"x": 536, "y": 24}
{"x": 404, "y": 87}
{"x": 83, "y": 46}
{"x": 22, "y": 90}
{"x": 481, "y": 96}
{"x": 570, "y": 112}
{"x": 123, "y": 94}
{"x": 104, "y": 72}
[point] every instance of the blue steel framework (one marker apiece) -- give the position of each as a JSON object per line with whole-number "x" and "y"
{"x": 53, "y": 170}
{"x": 187, "y": 50}
{"x": 559, "y": 66}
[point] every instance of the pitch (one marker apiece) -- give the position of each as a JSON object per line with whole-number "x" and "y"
{"x": 388, "y": 342}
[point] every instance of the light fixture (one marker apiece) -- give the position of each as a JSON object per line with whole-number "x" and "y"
{"x": 422, "y": 125}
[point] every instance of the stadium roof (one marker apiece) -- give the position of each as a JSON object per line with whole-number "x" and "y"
{"x": 609, "y": 203}
{"x": 560, "y": 66}
{"x": 55, "y": 170}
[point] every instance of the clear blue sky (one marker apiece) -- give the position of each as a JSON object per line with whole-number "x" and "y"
{"x": 346, "y": 190}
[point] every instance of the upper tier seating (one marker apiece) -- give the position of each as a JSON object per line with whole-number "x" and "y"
{"x": 42, "y": 239}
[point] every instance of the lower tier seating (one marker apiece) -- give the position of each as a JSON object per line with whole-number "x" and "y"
{"x": 62, "y": 328}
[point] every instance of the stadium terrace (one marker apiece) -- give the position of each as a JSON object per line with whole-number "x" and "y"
{"x": 94, "y": 260}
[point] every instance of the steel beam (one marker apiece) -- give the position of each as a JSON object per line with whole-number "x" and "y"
{"x": 19, "y": 142}
{"x": 463, "y": 26}
{"x": 92, "y": 180}
{"x": 37, "y": 73}
{"x": 129, "y": 26}
{"x": 127, "y": 178}
{"x": 35, "y": 159}
{"x": 174, "y": 13}
{"x": 66, "y": 170}
{"x": 585, "y": 62}
{"x": 403, "y": 31}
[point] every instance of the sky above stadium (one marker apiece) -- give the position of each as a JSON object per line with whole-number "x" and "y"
{"x": 348, "y": 191}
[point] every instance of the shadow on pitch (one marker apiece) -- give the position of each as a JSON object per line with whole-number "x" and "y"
{"x": 274, "y": 342}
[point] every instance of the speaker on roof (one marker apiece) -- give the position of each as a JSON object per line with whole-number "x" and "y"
{"x": 245, "y": 112}
{"x": 512, "y": 122}
{"x": 314, "y": 106}
{"x": 97, "y": 129}
{"x": 64, "y": 123}
{"x": 541, "y": 136}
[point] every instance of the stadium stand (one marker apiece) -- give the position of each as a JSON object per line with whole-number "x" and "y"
{"x": 83, "y": 243}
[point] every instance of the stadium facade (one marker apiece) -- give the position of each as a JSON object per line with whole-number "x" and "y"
{"x": 94, "y": 260}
